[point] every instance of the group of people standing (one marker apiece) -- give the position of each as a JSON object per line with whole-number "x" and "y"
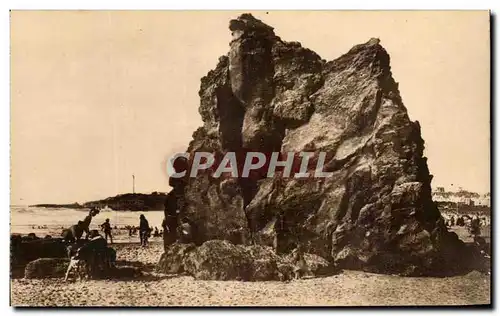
{"x": 75, "y": 232}
{"x": 144, "y": 230}
{"x": 175, "y": 227}
{"x": 474, "y": 224}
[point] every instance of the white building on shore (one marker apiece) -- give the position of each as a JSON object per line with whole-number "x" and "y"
{"x": 461, "y": 197}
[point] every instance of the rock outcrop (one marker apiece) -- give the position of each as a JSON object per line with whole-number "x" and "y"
{"x": 218, "y": 260}
{"x": 374, "y": 213}
{"x": 24, "y": 250}
{"x": 172, "y": 260}
{"x": 222, "y": 260}
{"x": 46, "y": 268}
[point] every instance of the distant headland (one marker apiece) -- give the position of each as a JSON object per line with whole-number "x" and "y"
{"x": 121, "y": 202}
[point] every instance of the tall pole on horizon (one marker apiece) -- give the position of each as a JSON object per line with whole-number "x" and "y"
{"x": 133, "y": 184}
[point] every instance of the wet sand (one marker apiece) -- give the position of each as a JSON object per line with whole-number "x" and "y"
{"x": 349, "y": 288}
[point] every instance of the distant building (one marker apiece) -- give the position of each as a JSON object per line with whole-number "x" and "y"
{"x": 484, "y": 200}
{"x": 461, "y": 197}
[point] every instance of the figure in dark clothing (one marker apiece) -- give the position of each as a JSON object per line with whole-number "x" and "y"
{"x": 481, "y": 244}
{"x": 170, "y": 222}
{"x": 185, "y": 231}
{"x": 452, "y": 221}
{"x": 93, "y": 252}
{"x": 475, "y": 227}
{"x": 281, "y": 230}
{"x": 73, "y": 233}
{"x": 143, "y": 230}
{"x": 106, "y": 228}
{"x": 164, "y": 224}
{"x": 300, "y": 269}
{"x": 156, "y": 232}
{"x": 86, "y": 222}
{"x": 188, "y": 232}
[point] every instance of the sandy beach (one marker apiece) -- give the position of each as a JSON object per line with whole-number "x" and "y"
{"x": 349, "y": 288}
{"x": 261, "y": 152}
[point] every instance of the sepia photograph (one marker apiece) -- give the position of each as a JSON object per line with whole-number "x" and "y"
{"x": 250, "y": 158}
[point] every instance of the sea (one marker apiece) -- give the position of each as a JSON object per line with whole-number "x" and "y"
{"x": 50, "y": 221}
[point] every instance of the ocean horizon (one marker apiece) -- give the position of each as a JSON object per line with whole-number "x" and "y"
{"x": 41, "y": 220}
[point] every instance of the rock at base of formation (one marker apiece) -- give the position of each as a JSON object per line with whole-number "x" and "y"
{"x": 46, "y": 268}
{"x": 267, "y": 95}
{"x": 222, "y": 260}
{"x": 172, "y": 260}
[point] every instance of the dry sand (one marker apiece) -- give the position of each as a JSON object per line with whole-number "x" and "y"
{"x": 347, "y": 288}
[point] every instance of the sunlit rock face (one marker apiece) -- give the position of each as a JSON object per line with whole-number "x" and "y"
{"x": 374, "y": 213}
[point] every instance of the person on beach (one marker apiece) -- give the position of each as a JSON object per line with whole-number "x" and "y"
{"x": 188, "y": 232}
{"x": 280, "y": 226}
{"x": 185, "y": 231}
{"x": 475, "y": 227}
{"x": 74, "y": 233}
{"x": 86, "y": 222}
{"x": 300, "y": 269}
{"x": 143, "y": 230}
{"x": 95, "y": 255}
{"x": 106, "y": 228}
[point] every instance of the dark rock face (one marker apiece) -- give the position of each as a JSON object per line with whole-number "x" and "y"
{"x": 375, "y": 213}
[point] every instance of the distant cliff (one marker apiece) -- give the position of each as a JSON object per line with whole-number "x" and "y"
{"x": 132, "y": 202}
{"x": 122, "y": 202}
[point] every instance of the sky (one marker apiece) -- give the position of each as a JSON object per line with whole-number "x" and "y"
{"x": 97, "y": 96}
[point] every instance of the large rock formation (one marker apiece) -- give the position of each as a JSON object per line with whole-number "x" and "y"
{"x": 267, "y": 95}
